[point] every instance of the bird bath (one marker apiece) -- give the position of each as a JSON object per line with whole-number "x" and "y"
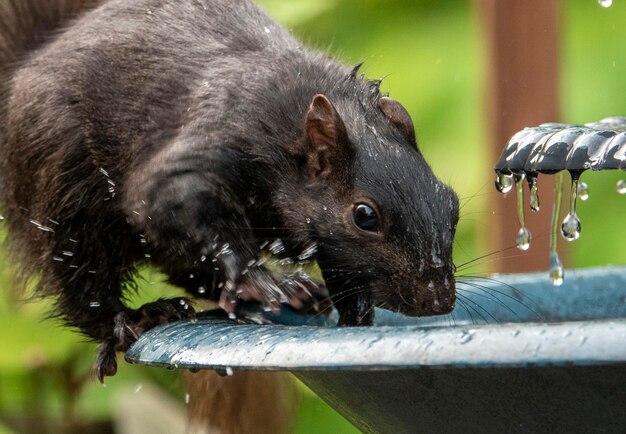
{"x": 523, "y": 355}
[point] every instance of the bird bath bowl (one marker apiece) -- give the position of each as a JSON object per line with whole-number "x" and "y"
{"x": 522, "y": 355}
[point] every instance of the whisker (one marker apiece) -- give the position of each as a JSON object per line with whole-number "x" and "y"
{"x": 475, "y": 305}
{"x": 488, "y": 297}
{"x": 504, "y": 294}
{"x": 462, "y": 304}
{"x": 349, "y": 294}
{"x": 517, "y": 255}
{"x": 495, "y": 252}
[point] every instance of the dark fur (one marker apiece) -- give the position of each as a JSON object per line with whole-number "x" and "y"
{"x": 175, "y": 127}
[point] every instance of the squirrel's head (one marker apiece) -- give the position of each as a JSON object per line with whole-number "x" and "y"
{"x": 383, "y": 222}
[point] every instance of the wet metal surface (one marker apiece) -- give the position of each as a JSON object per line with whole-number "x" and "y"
{"x": 552, "y": 147}
{"x": 218, "y": 345}
{"x": 529, "y": 356}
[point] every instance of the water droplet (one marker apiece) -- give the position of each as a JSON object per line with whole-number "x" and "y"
{"x": 570, "y": 228}
{"x": 534, "y": 195}
{"x": 523, "y": 235}
{"x": 40, "y": 226}
{"x": 225, "y": 250}
{"x": 556, "y": 269}
{"x": 605, "y": 3}
{"x": 308, "y": 252}
{"x": 277, "y": 247}
{"x": 229, "y": 371}
{"x": 523, "y": 239}
{"x": 94, "y": 304}
{"x": 435, "y": 260}
{"x": 504, "y": 183}
{"x": 583, "y": 191}
{"x": 201, "y": 290}
{"x": 186, "y": 398}
{"x": 621, "y": 186}
{"x": 1, "y": 218}
{"x": 286, "y": 261}
{"x": 138, "y": 388}
{"x": 308, "y": 220}
{"x": 465, "y": 338}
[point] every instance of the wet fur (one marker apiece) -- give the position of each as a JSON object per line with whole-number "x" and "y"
{"x": 175, "y": 128}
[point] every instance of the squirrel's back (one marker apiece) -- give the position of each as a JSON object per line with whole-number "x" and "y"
{"x": 26, "y": 24}
{"x": 63, "y": 51}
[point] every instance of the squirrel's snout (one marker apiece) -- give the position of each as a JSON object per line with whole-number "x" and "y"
{"x": 433, "y": 297}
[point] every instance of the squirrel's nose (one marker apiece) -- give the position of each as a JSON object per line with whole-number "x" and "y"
{"x": 440, "y": 296}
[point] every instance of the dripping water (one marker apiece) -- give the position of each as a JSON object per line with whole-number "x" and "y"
{"x": 504, "y": 182}
{"x": 582, "y": 190}
{"x": 523, "y": 236}
{"x": 534, "y": 193}
{"x": 570, "y": 229}
{"x": 556, "y": 268}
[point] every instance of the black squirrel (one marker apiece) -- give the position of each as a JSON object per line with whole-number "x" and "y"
{"x": 194, "y": 135}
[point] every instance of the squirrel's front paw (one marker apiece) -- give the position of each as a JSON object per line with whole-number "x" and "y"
{"x": 305, "y": 295}
{"x": 298, "y": 290}
{"x": 131, "y": 323}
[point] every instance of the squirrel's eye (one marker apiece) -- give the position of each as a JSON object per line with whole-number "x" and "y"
{"x": 365, "y": 218}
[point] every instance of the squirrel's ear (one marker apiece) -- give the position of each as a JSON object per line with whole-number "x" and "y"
{"x": 326, "y": 136}
{"x": 398, "y": 116}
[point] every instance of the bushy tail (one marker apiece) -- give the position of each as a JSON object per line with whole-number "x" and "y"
{"x": 25, "y": 24}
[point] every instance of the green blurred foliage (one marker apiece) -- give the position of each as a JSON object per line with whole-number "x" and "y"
{"x": 432, "y": 58}
{"x": 593, "y": 82}
{"x": 317, "y": 417}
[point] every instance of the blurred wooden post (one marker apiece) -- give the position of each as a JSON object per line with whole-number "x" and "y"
{"x": 522, "y": 41}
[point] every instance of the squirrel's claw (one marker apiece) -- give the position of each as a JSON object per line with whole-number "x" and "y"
{"x": 131, "y": 323}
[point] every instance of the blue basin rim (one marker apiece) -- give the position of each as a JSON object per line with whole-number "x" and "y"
{"x": 221, "y": 344}
{"x": 526, "y": 322}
